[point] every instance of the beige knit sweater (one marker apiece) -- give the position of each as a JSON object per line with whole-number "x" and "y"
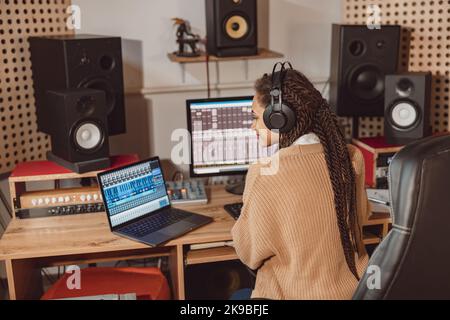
{"x": 288, "y": 228}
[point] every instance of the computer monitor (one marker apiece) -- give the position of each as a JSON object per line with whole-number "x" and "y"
{"x": 222, "y": 141}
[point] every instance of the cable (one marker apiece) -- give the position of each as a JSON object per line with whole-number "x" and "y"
{"x": 207, "y": 76}
{"x": 178, "y": 174}
{"x": 50, "y": 279}
{"x": 326, "y": 85}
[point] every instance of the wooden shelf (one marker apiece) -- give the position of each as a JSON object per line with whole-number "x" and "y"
{"x": 262, "y": 54}
{"x": 369, "y": 238}
{"x": 378, "y": 218}
{"x": 228, "y": 253}
{"x": 210, "y": 255}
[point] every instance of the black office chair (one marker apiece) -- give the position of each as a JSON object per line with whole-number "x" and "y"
{"x": 413, "y": 261}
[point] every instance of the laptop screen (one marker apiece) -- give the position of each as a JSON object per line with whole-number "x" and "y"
{"x": 133, "y": 191}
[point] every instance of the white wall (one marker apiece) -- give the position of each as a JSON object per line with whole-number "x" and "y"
{"x": 301, "y": 29}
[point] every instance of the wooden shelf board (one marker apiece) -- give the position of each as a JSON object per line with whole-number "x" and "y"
{"x": 369, "y": 238}
{"x": 228, "y": 253}
{"x": 262, "y": 54}
{"x": 377, "y": 218}
{"x": 210, "y": 255}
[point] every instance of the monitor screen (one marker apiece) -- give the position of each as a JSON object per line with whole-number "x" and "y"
{"x": 133, "y": 191}
{"x": 222, "y": 141}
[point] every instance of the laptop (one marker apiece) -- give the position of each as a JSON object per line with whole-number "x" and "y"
{"x": 138, "y": 206}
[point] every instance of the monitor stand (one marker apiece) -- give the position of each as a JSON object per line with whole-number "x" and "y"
{"x": 236, "y": 188}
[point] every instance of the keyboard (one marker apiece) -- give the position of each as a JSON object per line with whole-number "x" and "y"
{"x": 234, "y": 209}
{"x": 155, "y": 222}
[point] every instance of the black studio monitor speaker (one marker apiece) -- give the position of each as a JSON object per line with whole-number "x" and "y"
{"x": 231, "y": 27}
{"x": 80, "y": 129}
{"x": 407, "y": 107}
{"x": 78, "y": 61}
{"x": 360, "y": 60}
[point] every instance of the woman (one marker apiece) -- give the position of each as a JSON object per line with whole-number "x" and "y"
{"x": 300, "y": 227}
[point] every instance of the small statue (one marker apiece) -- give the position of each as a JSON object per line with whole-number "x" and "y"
{"x": 185, "y": 37}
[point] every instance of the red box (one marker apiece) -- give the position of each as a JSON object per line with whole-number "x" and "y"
{"x": 377, "y": 157}
{"x": 146, "y": 283}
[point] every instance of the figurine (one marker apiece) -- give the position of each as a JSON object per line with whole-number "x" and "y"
{"x": 185, "y": 37}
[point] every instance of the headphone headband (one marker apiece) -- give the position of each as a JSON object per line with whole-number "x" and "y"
{"x": 277, "y": 83}
{"x": 278, "y": 115}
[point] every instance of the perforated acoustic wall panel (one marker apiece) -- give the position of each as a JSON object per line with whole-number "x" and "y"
{"x": 425, "y": 46}
{"x": 19, "y": 19}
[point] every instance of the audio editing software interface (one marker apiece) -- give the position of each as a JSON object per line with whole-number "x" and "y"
{"x": 222, "y": 138}
{"x": 134, "y": 191}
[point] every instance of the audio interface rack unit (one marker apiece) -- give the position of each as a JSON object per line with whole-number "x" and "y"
{"x": 57, "y": 201}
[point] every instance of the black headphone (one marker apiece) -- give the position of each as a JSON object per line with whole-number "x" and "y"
{"x": 278, "y": 115}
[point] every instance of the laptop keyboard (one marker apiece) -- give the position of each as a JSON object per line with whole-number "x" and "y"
{"x": 155, "y": 222}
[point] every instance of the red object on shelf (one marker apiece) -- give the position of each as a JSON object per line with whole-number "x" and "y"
{"x": 36, "y": 168}
{"x": 372, "y": 149}
{"x": 146, "y": 283}
{"x": 378, "y": 143}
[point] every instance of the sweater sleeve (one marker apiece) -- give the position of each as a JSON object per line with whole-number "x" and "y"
{"x": 252, "y": 231}
{"x": 363, "y": 205}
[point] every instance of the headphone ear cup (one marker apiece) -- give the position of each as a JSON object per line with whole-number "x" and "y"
{"x": 285, "y": 117}
{"x": 266, "y": 116}
{"x": 291, "y": 118}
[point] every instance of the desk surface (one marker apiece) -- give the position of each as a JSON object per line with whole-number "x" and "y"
{"x": 90, "y": 233}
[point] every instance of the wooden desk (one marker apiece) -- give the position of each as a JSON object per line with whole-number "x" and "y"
{"x": 31, "y": 244}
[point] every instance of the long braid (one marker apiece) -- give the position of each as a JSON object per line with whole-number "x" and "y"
{"x": 342, "y": 180}
{"x": 314, "y": 115}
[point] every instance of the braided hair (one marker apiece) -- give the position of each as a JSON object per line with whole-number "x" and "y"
{"x": 314, "y": 115}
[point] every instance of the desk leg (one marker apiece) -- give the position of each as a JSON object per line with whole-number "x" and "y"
{"x": 176, "y": 266}
{"x": 24, "y": 279}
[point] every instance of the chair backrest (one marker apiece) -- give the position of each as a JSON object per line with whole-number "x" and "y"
{"x": 413, "y": 261}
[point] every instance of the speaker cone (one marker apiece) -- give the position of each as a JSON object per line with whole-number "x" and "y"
{"x": 88, "y": 136}
{"x": 404, "y": 115}
{"x": 236, "y": 27}
{"x": 366, "y": 82}
{"x": 105, "y": 86}
{"x": 86, "y": 106}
